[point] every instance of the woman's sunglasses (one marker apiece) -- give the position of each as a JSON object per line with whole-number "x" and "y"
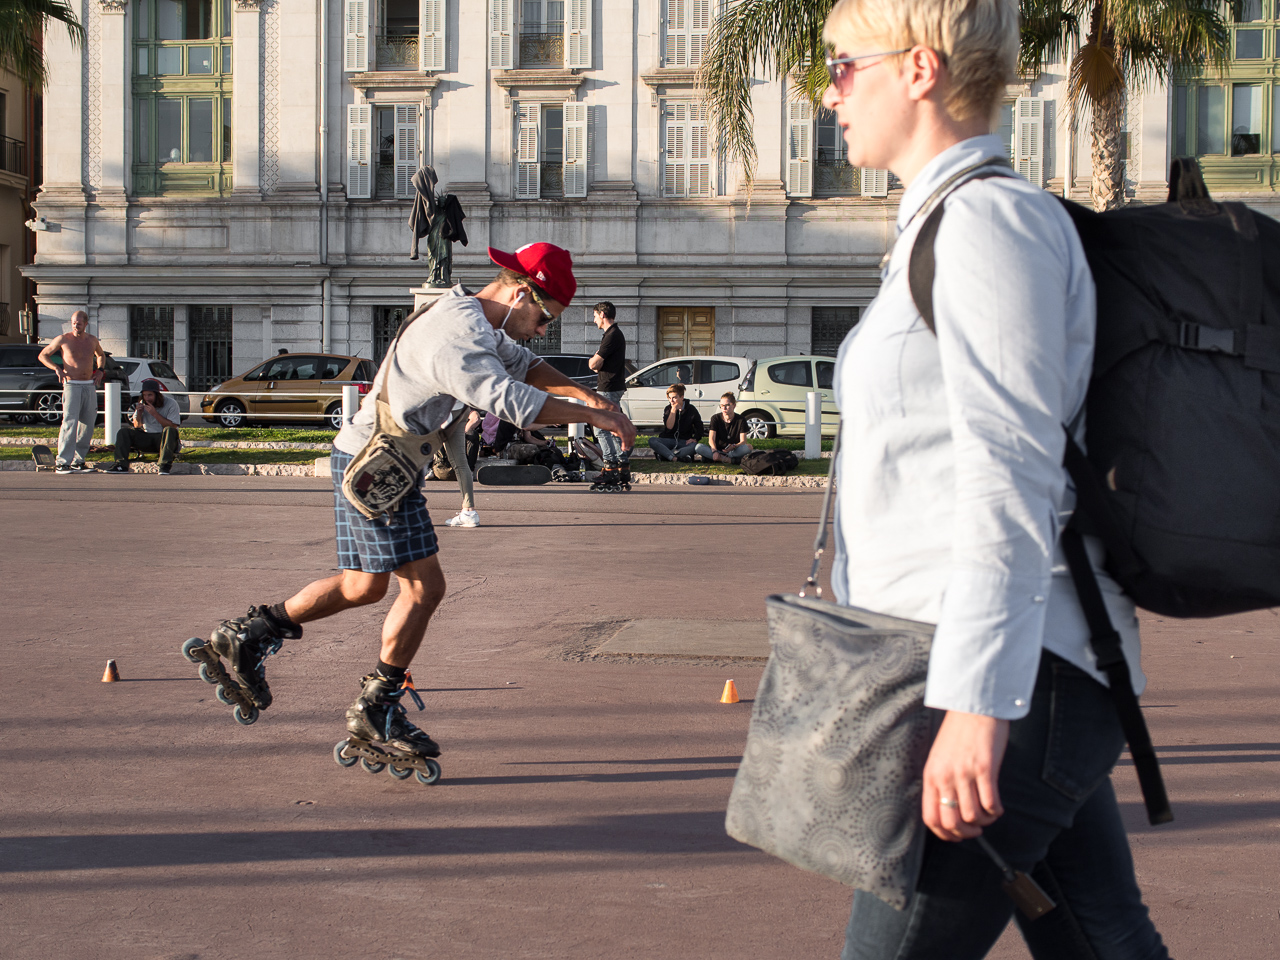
{"x": 840, "y": 70}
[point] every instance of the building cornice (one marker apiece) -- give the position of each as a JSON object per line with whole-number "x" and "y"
{"x": 388, "y": 85}
{"x": 541, "y": 85}
{"x": 113, "y": 6}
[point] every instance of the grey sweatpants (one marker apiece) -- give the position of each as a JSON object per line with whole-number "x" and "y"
{"x": 79, "y": 411}
{"x": 455, "y": 444}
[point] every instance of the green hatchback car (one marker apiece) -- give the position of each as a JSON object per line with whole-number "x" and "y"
{"x": 772, "y": 395}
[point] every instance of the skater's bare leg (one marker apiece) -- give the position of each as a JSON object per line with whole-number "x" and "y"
{"x": 350, "y": 588}
{"x": 422, "y": 588}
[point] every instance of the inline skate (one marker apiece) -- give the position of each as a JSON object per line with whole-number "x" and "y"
{"x": 383, "y": 737}
{"x": 614, "y": 478}
{"x": 245, "y": 643}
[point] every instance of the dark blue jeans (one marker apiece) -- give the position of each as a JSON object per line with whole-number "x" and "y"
{"x": 1060, "y": 813}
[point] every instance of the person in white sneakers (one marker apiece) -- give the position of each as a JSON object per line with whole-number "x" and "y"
{"x": 455, "y": 445}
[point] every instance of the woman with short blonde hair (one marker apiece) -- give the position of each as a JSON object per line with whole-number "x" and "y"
{"x": 952, "y": 494}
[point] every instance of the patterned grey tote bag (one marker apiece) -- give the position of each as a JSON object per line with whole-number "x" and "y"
{"x": 831, "y": 774}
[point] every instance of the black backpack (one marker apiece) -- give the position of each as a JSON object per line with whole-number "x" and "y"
{"x": 1182, "y": 478}
{"x": 772, "y": 463}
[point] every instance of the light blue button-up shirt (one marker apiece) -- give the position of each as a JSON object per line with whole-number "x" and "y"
{"x": 951, "y": 491}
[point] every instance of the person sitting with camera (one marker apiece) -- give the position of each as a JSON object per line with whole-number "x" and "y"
{"x": 155, "y": 429}
{"x": 681, "y": 428}
{"x": 726, "y": 434}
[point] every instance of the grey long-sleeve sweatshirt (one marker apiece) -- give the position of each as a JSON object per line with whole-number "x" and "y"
{"x": 448, "y": 354}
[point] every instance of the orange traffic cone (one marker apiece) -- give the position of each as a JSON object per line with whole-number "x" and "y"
{"x": 111, "y": 674}
{"x": 730, "y": 694}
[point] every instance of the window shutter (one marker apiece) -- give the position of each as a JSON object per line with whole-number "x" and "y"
{"x": 355, "y": 48}
{"x": 675, "y": 165}
{"x": 875, "y": 183}
{"x": 527, "y": 172}
{"x": 501, "y": 28}
{"x": 1029, "y": 142}
{"x": 575, "y": 149}
{"x": 431, "y": 54}
{"x": 699, "y": 26}
{"x": 406, "y": 144}
{"x": 359, "y": 135}
{"x": 675, "y": 48}
{"x": 800, "y": 148}
{"x": 577, "y": 35}
{"x": 699, "y": 152}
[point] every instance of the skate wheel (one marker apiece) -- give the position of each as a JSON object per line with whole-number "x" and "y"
{"x": 221, "y": 694}
{"x": 206, "y": 675}
{"x": 337, "y": 754}
{"x": 431, "y": 775}
{"x": 371, "y": 766}
{"x": 195, "y": 643}
{"x": 245, "y": 717}
{"x": 400, "y": 773}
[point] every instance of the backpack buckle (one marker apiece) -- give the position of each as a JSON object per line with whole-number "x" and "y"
{"x": 1195, "y": 336}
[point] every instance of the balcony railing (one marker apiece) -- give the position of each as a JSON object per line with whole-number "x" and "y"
{"x": 398, "y": 52}
{"x": 833, "y": 178}
{"x": 541, "y": 50}
{"x": 13, "y": 156}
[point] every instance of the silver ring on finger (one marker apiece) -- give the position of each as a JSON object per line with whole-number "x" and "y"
{"x": 948, "y": 802}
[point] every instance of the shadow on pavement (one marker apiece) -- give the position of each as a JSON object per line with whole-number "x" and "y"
{"x": 653, "y": 833}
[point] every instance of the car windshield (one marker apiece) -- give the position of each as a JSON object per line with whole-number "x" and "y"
{"x": 666, "y": 374}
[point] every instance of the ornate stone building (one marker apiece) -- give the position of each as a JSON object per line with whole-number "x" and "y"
{"x": 227, "y": 177}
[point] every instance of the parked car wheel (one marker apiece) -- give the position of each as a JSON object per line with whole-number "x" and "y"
{"x": 48, "y": 407}
{"x": 760, "y": 425}
{"x": 24, "y": 418}
{"x": 334, "y": 415}
{"x": 231, "y": 413}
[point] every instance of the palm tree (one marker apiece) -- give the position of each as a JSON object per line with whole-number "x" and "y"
{"x": 1129, "y": 43}
{"x": 21, "y": 21}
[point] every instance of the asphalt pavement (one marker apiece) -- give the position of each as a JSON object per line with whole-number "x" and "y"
{"x": 581, "y": 810}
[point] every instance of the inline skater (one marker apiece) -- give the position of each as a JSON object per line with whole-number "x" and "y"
{"x": 466, "y": 351}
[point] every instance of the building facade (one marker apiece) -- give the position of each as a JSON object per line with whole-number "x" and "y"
{"x": 19, "y": 170}
{"x": 228, "y": 177}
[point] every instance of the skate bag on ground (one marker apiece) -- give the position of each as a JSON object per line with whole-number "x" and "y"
{"x": 770, "y": 463}
{"x": 1180, "y": 481}
{"x": 390, "y": 465}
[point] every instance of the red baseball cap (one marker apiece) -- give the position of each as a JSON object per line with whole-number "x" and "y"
{"x": 549, "y": 266}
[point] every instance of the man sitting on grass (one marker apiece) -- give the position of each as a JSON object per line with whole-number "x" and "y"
{"x": 681, "y": 428}
{"x": 154, "y": 430}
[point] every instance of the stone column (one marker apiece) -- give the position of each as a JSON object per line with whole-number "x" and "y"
{"x": 62, "y": 196}
{"x": 182, "y": 346}
{"x": 246, "y": 68}
{"x": 109, "y": 222}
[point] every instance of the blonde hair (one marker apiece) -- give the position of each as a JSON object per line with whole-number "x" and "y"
{"x": 977, "y": 40}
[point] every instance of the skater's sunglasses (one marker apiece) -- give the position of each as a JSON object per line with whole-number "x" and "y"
{"x": 840, "y": 70}
{"x": 547, "y": 315}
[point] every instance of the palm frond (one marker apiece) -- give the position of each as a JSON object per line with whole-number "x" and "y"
{"x": 1154, "y": 38}
{"x": 780, "y": 37}
{"x": 1048, "y": 27}
{"x": 20, "y": 22}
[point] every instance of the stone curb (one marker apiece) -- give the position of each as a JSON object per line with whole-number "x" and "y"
{"x": 207, "y": 469}
{"x": 205, "y": 444}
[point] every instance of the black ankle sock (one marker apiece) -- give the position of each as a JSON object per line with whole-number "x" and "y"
{"x": 277, "y": 613}
{"x": 390, "y": 672}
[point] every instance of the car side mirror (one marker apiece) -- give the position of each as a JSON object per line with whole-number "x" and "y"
{"x": 633, "y": 382}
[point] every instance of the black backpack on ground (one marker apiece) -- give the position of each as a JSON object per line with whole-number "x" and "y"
{"x": 770, "y": 463}
{"x": 1182, "y": 478}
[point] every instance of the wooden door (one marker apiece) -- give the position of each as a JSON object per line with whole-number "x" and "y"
{"x": 686, "y": 331}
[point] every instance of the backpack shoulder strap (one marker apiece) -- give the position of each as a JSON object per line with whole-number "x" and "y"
{"x": 922, "y": 266}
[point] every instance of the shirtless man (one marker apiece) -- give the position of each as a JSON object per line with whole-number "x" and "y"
{"x": 80, "y": 376}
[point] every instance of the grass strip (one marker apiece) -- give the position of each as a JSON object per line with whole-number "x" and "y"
{"x": 194, "y": 455}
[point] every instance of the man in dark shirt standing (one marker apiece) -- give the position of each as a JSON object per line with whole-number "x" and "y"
{"x": 609, "y": 363}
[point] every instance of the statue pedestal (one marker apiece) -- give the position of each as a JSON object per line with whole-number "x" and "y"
{"x": 424, "y": 296}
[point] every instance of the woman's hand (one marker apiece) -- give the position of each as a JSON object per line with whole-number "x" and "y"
{"x": 963, "y": 768}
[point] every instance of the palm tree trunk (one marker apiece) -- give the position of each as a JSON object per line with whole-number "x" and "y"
{"x": 1107, "y": 189}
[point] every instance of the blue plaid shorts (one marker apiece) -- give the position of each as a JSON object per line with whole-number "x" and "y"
{"x": 372, "y": 545}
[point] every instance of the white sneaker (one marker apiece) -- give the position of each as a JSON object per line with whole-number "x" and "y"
{"x": 467, "y": 518}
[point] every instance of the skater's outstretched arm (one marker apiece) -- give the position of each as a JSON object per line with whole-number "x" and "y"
{"x": 546, "y": 377}
{"x": 556, "y": 410}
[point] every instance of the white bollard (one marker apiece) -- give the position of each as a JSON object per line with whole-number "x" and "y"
{"x": 576, "y": 431}
{"x": 111, "y": 413}
{"x": 813, "y": 426}
{"x": 350, "y": 402}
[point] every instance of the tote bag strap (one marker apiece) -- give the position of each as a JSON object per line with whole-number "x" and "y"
{"x": 820, "y": 542}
